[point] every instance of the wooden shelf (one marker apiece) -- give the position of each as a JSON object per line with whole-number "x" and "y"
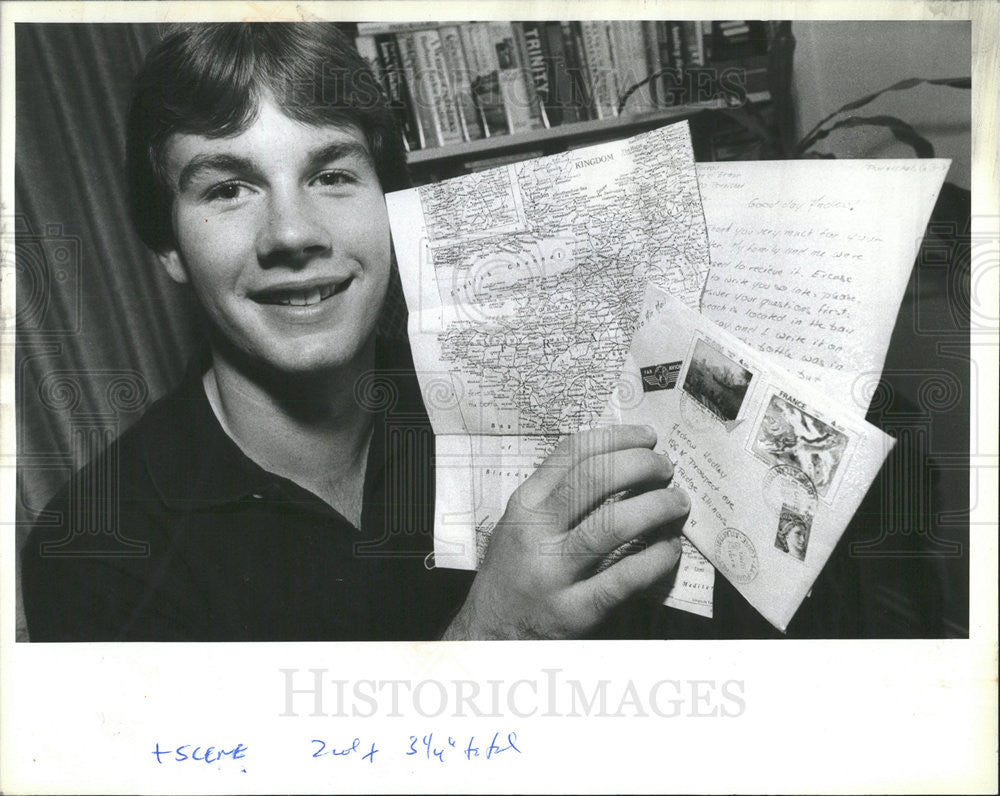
{"x": 546, "y": 136}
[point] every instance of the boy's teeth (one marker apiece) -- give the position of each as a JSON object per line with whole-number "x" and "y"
{"x": 306, "y": 298}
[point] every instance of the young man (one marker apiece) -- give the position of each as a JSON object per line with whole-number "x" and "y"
{"x": 285, "y": 489}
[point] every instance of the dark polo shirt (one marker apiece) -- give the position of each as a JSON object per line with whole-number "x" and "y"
{"x": 209, "y": 546}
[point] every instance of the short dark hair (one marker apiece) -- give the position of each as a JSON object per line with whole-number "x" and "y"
{"x": 208, "y": 79}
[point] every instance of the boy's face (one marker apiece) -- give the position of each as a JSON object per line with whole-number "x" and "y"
{"x": 283, "y": 233}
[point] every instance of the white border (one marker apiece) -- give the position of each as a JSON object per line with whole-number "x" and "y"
{"x": 819, "y": 716}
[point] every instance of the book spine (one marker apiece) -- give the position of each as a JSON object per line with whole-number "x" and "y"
{"x": 466, "y": 34}
{"x": 663, "y": 44}
{"x": 433, "y": 73}
{"x": 600, "y": 68}
{"x": 458, "y": 75}
{"x": 535, "y": 107}
{"x": 396, "y": 89}
{"x": 619, "y": 57}
{"x": 513, "y": 86}
{"x": 630, "y": 61}
{"x": 538, "y": 59}
{"x": 576, "y": 65}
{"x": 640, "y": 57}
{"x": 376, "y": 28}
{"x": 693, "y": 41}
{"x": 427, "y": 129}
{"x": 651, "y": 50}
{"x": 368, "y": 49}
{"x": 485, "y": 77}
{"x": 562, "y": 108}
{"x": 677, "y": 59}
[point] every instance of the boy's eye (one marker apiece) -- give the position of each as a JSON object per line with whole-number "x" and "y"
{"x": 334, "y": 178}
{"x": 226, "y": 191}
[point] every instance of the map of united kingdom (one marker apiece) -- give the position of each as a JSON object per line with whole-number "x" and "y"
{"x": 523, "y": 285}
{"x": 541, "y": 266}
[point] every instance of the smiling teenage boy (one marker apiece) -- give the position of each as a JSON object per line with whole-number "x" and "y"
{"x": 285, "y": 489}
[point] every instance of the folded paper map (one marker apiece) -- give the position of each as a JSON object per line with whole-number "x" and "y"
{"x": 775, "y": 468}
{"x": 523, "y": 284}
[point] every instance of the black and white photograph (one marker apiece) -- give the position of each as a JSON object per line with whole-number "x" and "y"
{"x": 225, "y": 495}
{"x": 716, "y": 382}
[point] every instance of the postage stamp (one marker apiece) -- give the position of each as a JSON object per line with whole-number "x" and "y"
{"x": 716, "y": 381}
{"x": 788, "y": 433}
{"x": 793, "y": 532}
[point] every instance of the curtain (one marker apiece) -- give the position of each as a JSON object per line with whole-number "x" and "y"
{"x": 101, "y": 330}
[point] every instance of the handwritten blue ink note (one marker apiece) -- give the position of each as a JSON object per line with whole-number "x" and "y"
{"x": 198, "y": 754}
{"x": 355, "y": 748}
{"x": 440, "y": 748}
{"x": 432, "y": 749}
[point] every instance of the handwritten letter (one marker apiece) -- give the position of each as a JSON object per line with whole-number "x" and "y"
{"x": 810, "y": 258}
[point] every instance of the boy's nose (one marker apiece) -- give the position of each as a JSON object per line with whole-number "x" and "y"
{"x": 290, "y": 233}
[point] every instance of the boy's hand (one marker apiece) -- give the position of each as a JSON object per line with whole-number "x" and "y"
{"x": 538, "y": 578}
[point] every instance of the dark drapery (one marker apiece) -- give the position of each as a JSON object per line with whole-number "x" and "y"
{"x": 101, "y": 330}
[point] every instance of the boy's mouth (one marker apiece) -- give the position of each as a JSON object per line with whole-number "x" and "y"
{"x": 301, "y": 296}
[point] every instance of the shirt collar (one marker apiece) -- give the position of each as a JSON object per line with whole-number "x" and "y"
{"x": 195, "y": 465}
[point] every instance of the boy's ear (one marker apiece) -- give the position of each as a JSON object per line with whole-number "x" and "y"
{"x": 171, "y": 261}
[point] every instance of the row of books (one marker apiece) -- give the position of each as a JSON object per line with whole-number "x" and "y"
{"x": 461, "y": 81}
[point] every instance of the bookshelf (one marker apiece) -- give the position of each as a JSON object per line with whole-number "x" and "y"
{"x": 554, "y": 137}
{"x": 470, "y": 95}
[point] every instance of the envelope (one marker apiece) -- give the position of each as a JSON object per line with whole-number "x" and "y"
{"x": 775, "y": 468}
